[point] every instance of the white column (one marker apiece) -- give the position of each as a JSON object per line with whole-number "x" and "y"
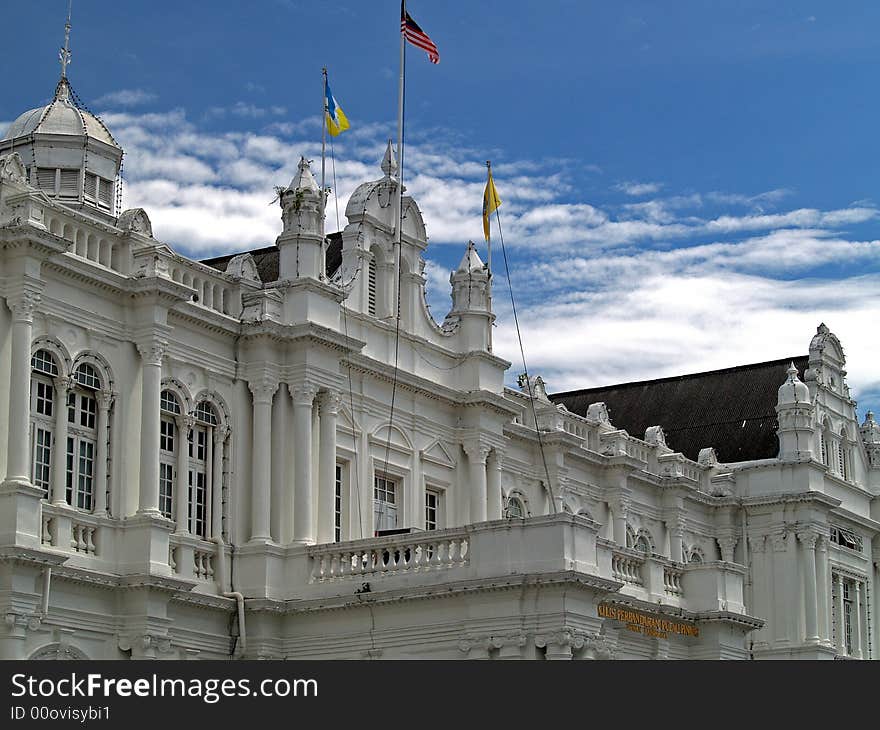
{"x": 493, "y": 486}
{"x": 857, "y": 629}
{"x": 327, "y": 467}
{"x": 840, "y": 628}
{"x": 619, "y": 509}
{"x": 181, "y": 475}
{"x": 59, "y": 449}
{"x": 477, "y": 454}
{"x": 823, "y": 590}
{"x": 811, "y": 629}
{"x": 303, "y": 528}
{"x": 219, "y": 439}
{"x": 263, "y": 391}
{"x": 105, "y": 399}
{"x": 209, "y": 479}
{"x": 18, "y": 456}
{"x": 151, "y": 366}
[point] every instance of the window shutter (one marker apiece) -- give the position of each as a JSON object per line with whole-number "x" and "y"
{"x": 91, "y": 186}
{"x": 105, "y": 193}
{"x": 69, "y": 184}
{"x": 46, "y": 179}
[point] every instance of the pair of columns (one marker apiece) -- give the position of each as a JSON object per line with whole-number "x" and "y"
{"x": 152, "y": 351}
{"x": 303, "y": 396}
{"x": 484, "y": 472}
{"x": 813, "y": 583}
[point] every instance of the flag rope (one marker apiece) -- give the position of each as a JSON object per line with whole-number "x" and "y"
{"x": 525, "y": 368}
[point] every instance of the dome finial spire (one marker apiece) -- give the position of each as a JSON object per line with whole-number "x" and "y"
{"x": 64, "y": 54}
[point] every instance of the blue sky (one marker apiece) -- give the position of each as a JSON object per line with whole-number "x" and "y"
{"x": 686, "y": 185}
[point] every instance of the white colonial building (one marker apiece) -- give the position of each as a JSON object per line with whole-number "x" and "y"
{"x": 252, "y": 456}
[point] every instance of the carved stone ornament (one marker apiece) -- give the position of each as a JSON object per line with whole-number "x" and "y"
{"x": 152, "y": 352}
{"x": 24, "y": 305}
{"x": 135, "y": 220}
{"x": 12, "y": 169}
{"x": 244, "y": 267}
{"x": 598, "y": 412}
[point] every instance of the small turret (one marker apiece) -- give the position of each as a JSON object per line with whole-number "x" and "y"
{"x": 471, "y": 300}
{"x": 301, "y": 241}
{"x": 794, "y": 411}
{"x": 870, "y": 433}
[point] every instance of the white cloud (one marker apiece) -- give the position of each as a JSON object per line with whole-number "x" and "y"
{"x": 670, "y": 284}
{"x": 125, "y": 98}
{"x": 637, "y": 189}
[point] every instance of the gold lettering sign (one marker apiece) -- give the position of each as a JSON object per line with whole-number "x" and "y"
{"x": 646, "y": 623}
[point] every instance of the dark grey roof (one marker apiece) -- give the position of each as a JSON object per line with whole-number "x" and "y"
{"x": 732, "y": 409}
{"x": 267, "y": 258}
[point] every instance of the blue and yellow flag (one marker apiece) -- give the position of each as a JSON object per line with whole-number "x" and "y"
{"x": 336, "y": 120}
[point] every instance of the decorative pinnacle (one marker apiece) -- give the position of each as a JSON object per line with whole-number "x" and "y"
{"x": 64, "y": 54}
{"x": 792, "y": 372}
{"x": 389, "y": 161}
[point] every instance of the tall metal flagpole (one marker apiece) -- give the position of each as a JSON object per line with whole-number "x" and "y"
{"x": 489, "y": 253}
{"x": 324, "y": 111}
{"x": 399, "y": 212}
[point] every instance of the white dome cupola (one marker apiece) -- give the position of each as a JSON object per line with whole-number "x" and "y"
{"x": 68, "y": 152}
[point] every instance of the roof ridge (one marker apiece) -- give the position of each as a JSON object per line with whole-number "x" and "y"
{"x": 670, "y": 378}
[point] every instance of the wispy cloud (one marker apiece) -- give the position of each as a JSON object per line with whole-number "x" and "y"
{"x": 125, "y": 98}
{"x": 637, "y": 189}
{"x": 672, "y": 283}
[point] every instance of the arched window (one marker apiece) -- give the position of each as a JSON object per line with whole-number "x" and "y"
{"x": 515, "y": 507}
{"x": 643, "y": 545}
{"x": 44, "y": 369}
{"x": 371, "y": 287}
{"x": 695, "y": 556}
{"x": 168, "y": 444}
{"x": 82, "y": 437}
{"x": 843, "y": 455}
{"x": 200, "y": 457}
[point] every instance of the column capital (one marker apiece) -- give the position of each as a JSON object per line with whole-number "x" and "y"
{"x": 727, "y": 544}
{"x": 476, "y": 451}
{"x": 780, "y": 541}
{"x": 303, "y": 393}
{"x": 23, "y": 304}
{"x": 808, "y": 538}
{"x": 184, "y": 422}
{"x": 63, "y": 383}
{"x": 221, "y": 433}
{"x": 152, "y": 350}
{"x": 263, "y": 388}
{"x": 757, "y": 543}
{"x": 330, "y": 403}
{"x": 105, "y": 399}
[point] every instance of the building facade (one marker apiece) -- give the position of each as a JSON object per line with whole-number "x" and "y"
{"x": 280, "y": 454}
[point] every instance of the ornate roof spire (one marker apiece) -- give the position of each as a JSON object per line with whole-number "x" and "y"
{"x": 62, "y": 90}
{"x": 389, "y": 161}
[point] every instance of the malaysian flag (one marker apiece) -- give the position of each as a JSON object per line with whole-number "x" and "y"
{"x": 415, "y": 35}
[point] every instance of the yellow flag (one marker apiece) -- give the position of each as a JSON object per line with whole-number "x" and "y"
{"x": 490, "y": 202}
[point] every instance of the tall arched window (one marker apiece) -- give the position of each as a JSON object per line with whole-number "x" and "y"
{"x": 200, "y": 466}
{"x": 169, "y": 442}
{"x": 82, "y": 437}
{"x": 515, "y": 507}
{"x": 44, "y": 370}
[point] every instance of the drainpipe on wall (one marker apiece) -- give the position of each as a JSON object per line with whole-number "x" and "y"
{"x": 239, "y": 598}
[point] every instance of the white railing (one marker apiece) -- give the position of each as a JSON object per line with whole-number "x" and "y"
{"x": 212, "y": 291}
{"x": 203, "y": 564}
{"x": 627, "y": 568}
{"x": 432, "y": 550}
{"x": 46, "y": 534}
{"x": 82, "y": 538}
{"x": 672, "y": 580}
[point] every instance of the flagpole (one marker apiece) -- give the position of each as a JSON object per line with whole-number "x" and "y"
{"x": 489, "y": 260}
{"x": 323, "y": 168}
{"x": 398, "y": 220}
